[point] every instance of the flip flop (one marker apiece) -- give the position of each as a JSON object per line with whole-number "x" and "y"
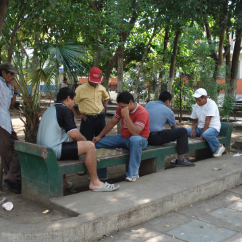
{"x": 107, "y": 188}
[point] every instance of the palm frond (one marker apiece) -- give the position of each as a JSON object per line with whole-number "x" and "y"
{"x": 72, "y": 56}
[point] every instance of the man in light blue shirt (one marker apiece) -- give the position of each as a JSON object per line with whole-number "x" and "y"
{"x": 160, "y": 114}
{"x": 9, "y": 157}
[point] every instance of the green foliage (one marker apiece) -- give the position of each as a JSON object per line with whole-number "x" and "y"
{"x": 72, "y": 56}
{"x": 32, "y": 78}
{"x": 227, "y": 109}
{"x": 182, "y": 95}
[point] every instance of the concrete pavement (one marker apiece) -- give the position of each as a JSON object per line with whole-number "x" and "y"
{"x": 144, "y": 210}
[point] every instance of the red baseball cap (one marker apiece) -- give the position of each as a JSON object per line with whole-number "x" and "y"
{"x": 96, "y": 75}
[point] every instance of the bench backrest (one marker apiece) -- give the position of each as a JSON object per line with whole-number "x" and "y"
{"x": 226, "y": 129}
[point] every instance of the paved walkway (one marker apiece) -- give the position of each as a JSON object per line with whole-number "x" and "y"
{"x": 217, "y": 219}
{"x": 135, "y": 209}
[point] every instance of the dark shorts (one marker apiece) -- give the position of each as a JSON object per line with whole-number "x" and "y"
{"x": 69, "y": 151}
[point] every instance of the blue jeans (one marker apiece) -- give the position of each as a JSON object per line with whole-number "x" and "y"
{"x": 209, "y": 135}
{"x": 135, "y": 144}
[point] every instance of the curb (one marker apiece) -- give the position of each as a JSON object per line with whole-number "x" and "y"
{"x": 83, "y": 228}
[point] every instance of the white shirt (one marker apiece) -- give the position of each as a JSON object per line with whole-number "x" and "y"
{"x": 208, "y": 109}
{"x": 5, "y": 101}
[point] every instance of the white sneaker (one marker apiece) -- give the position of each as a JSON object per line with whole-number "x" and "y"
{"x": 133, "y": 178}
{"x": 219, "y": 151}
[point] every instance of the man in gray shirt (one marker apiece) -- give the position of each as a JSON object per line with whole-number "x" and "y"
{"x": 56, "y": 126}
{"x": 160, "y": 114}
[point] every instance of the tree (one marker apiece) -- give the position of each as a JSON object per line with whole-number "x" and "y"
{"x": 69, "y": 55}
{"x": 3, "y": 12}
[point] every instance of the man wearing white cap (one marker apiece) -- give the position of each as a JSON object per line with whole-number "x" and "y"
{"x": 92, "y": 99}
{"x": 206, "y": 122}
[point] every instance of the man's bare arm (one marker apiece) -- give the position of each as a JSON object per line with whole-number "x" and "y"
{"x": 133, "y": 129}
{"x": 76, "y": 135}
{"x": 194, "y": 127}
{"x": 106, "y": 129}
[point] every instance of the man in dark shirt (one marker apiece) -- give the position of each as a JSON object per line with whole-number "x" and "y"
{"x": 57, "y": 125}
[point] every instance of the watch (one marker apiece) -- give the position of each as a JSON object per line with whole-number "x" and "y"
{"x": 15, "y": 93}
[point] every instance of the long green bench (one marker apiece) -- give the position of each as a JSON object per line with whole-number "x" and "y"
{"x": 42, "y": 174}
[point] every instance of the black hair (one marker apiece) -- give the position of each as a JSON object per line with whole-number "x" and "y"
{"x": 164, "y": 96}
{"x": 125, "y": 97}
{"x": 3, "y": 70}
{"x": 64, "y": 93}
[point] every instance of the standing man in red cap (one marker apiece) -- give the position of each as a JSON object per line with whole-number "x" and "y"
{"x": 92, "y": 99}
{"x": 9, "y": 157}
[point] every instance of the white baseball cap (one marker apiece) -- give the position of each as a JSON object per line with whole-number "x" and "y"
{"x": 200, "y": 92}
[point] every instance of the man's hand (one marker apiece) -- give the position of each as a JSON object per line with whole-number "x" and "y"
{"x": 125, "y": 112}
{"x": 200, "y": 138}
{"x": 81, "y": 116}
{"x": 193, "y": 134}
{"x": 13, "y": 83}
{"x": 96, "y": 139}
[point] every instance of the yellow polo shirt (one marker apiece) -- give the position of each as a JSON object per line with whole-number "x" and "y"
{"x": 89, "y": 98}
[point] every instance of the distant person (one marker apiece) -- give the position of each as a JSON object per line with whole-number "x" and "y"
{"x": 64, "y": 83}
{"x": 75, "y": 85}
{"x": 161, "y": 114}
{"x": 134, "y": 132}
{"x": 9, "y": 157}
{"x": 206, "y": 122}
{"x": 56, "y": 126}
{"x": 92, "y": 99}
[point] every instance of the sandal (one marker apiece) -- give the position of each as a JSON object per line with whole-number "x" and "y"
{"x": 107, "y": 188}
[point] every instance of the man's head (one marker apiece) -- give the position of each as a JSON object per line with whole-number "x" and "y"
{"x": 65, "y": 80}
{"x": 67, "y": 96}
{"x": 201, "y": 96}
{"x": 165, "y": 97}
{"x": 125, "y": 99}
{"x": 7, "y": 71}
{"x": 95, "y": 76}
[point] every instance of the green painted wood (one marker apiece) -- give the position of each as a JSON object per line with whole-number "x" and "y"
{"x": 42, "y": 174}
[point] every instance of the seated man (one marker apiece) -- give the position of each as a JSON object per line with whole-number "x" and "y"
{"x": 160, "y": 114}
{"x": 206, "y": 122}
{"x": 134, "y": 132}
{"x": 57, "y": 125}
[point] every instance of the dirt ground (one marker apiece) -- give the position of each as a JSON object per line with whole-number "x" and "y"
{"x": 25, "y": 211}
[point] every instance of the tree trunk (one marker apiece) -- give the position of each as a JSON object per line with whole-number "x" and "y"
{"x": 120, "y": 68}
{"x": 142, "y": 63}
{"x": 235, "y": 63}
{"x": 109, "y": 67}
{"x": 173, "y": 60}
{"x": 3, "y": 13}
{"x": 228, "y": 63}
{"x": 120, "y": 77}
{"x": 162, "y": 72}
{"x": 97, "y": 59}
{"x": 31, "y": 127}
{"x": 219, "y": 60}
{"x": 13, "y": 37}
